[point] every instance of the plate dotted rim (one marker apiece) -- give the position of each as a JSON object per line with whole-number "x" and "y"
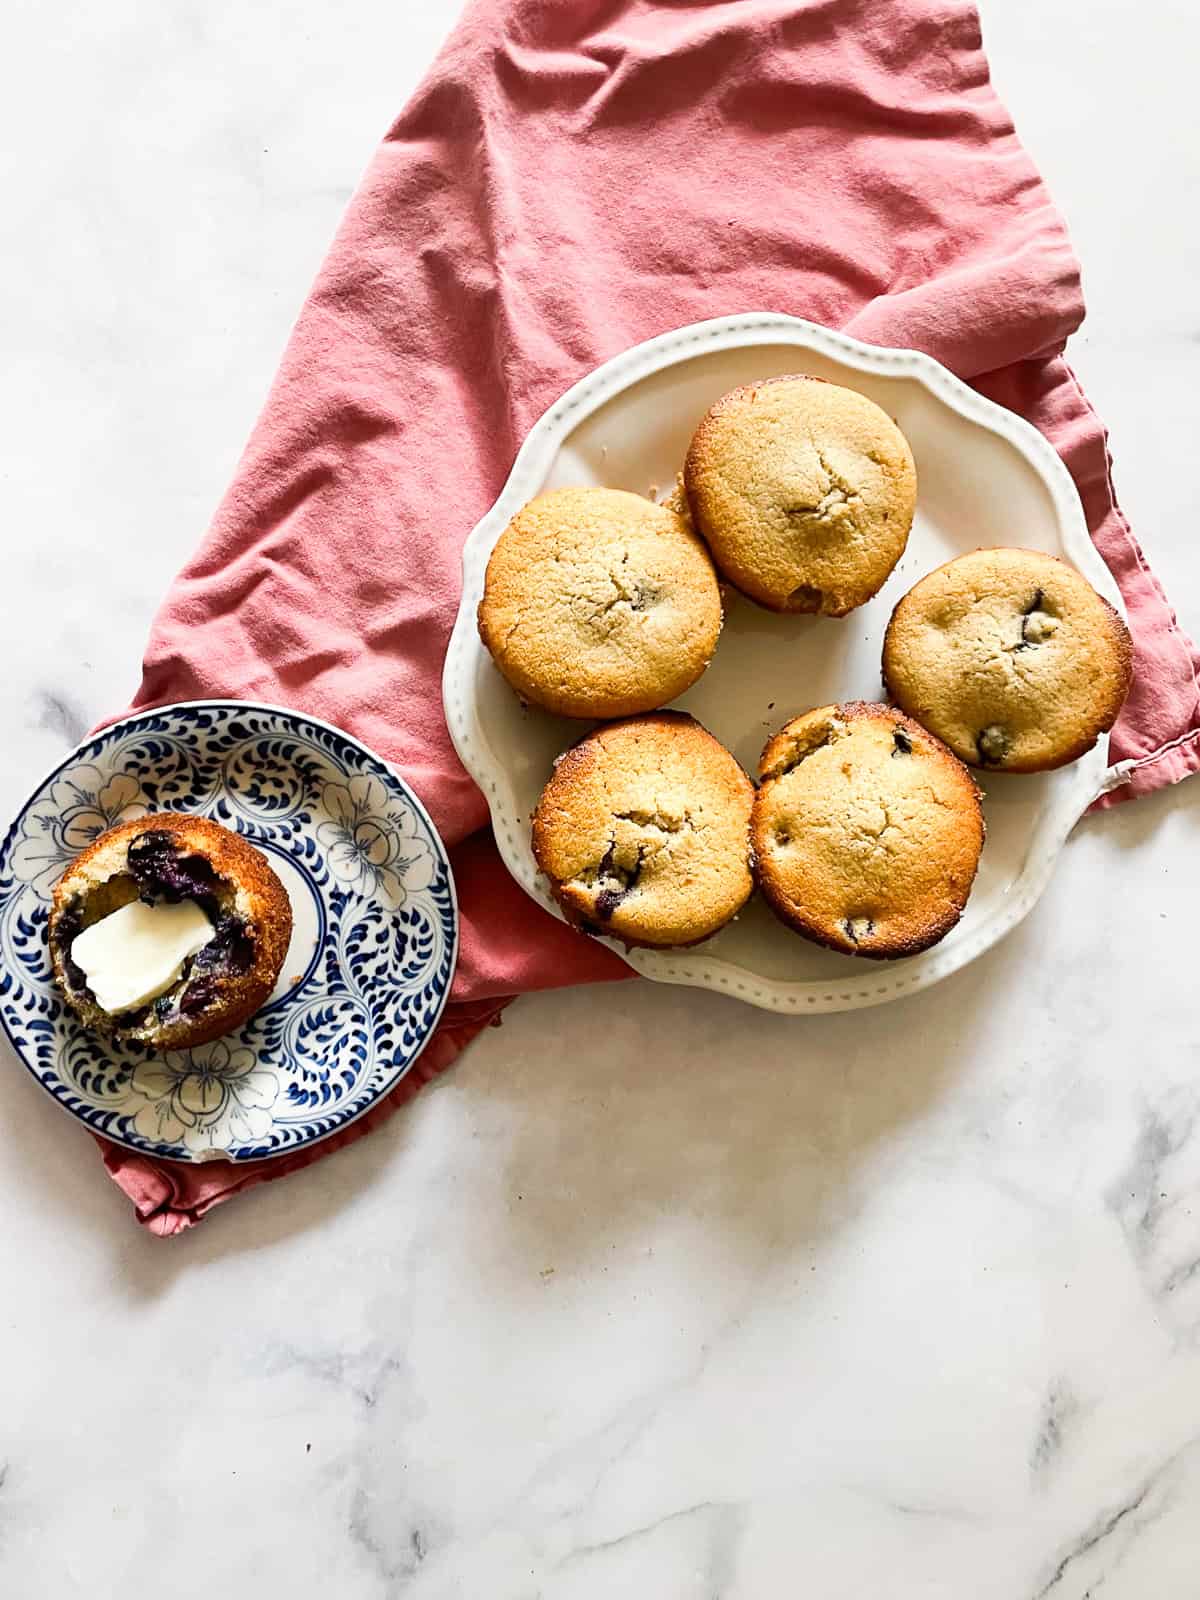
{"x": 1091, "y": 775}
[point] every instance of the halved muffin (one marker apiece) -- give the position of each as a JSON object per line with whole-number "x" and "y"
{"x": 169, "y": 930}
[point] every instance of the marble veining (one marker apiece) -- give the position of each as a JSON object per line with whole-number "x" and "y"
{"x": 653, "y": 1295}
{"x": 1058, "y": 1414}
{"x": 61, "y": 716}
{"x": 1156, "y": 1199}
{"x": 1104, "y": 1544}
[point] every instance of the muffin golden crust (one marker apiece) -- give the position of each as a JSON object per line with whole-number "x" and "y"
{"x": 866, "y": 831}
{"x": 643, "y": 831}
{"x": 805, "y": 492}
{"x": 1010, "y": 657}
{"x": 171, "y": 857}
{"x": 599, "y": 603}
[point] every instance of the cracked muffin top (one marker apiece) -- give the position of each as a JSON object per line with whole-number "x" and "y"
{"x": 643, "y": 831}
{"x": 1011, "y": 657}
{"x": 805, "y": 492}
{"x": 599, "y": 603}
{"x": 866, "y": 831}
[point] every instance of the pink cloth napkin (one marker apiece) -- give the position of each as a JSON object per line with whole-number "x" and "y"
{"x": 569, "y": 180}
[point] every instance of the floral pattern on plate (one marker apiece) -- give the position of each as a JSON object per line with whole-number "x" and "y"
{"x": 374, "y": 846}
{"x": 373, "y": 945}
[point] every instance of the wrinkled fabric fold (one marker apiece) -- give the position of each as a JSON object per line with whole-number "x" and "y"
{"x": 567, "y": 181}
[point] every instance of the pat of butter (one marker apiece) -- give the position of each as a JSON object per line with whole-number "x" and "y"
{"x": 136, "y": 953}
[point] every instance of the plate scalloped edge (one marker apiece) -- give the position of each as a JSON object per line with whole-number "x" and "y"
{"x": 861, "y": 987}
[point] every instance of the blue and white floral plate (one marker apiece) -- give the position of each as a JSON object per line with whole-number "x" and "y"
{"x": 374, "y": 938}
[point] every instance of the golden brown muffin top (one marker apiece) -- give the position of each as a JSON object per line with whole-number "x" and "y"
{"x": 599, "y": 603}
{"x": 1010, "y": 657}
{"x": 643, "y": 831}
{"x": 805, "y": 492}
{"x": 866, "y": 830}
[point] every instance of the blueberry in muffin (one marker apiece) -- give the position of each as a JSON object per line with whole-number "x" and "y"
{"x": 168, "y": 930}
{"x": 643, "y": 831}
{"x": 866, "y": 830}
{"x": 1011, "y": 657}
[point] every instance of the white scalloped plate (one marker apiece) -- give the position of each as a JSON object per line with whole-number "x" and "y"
{"x": 986, "y": 477}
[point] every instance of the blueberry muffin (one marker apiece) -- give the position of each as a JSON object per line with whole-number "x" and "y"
{"x": 169, "y": 930}
{"x": 805, "y": 492}
{"x": 643, "y": 832}
{"x": 599, "y": 603}
{"x": 1010, "y": 657}
{"x": 866, "y": 831}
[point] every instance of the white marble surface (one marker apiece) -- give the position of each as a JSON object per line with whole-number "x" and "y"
{"x": 701, "y": 1303}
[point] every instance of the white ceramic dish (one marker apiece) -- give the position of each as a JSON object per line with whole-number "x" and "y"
{"x": 986, "y": 477}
